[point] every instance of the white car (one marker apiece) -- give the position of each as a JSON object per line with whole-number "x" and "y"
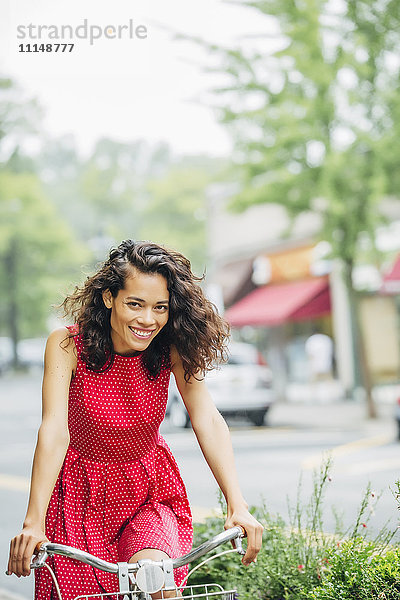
{"x": 240, "y": 387}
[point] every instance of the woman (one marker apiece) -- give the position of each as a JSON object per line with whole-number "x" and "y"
{"x": 103, "y": 479}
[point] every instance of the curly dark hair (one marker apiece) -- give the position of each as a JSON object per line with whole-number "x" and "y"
{"x": 194, "y": 326}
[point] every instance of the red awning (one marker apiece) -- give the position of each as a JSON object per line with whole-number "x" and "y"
{"x": 391, "y": 281}
{"x": 276, "y": 304}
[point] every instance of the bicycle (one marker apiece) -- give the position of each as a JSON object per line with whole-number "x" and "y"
{"x": 137, "y": 581}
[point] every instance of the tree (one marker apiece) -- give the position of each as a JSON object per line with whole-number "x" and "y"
{"x": 314, "y": 116}
{"x": 19, "y": 120}
{"x": 101, "y": 196}
{"x": 175, "y": 210}
{"x": 130, "y": 190}
{"x": 38, "y": 256}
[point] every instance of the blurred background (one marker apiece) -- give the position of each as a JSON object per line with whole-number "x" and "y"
{"x": 260, "y": 139}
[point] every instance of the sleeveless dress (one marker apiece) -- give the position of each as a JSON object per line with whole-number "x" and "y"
{"x": 119, "y": 489}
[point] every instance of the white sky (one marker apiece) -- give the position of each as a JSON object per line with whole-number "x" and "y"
{"x": 125, "y": 89}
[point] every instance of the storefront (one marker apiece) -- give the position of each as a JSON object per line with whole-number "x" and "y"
{"x": 290, "y": 304}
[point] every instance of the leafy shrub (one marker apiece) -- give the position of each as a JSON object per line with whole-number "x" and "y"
{"x": 356, "y": 570}
{"x": 299, "y": 559}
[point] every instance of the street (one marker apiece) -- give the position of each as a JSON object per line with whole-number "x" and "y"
{"x": 269, "y": 461}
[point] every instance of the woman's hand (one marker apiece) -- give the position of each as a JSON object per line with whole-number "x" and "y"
{"x": 22, "y": 548}
{"x": 254, "y": 530}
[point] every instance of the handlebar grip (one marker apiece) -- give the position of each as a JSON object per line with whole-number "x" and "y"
{"x": 40, "y": 546}
{"x": 244, "y": 534}
{"x": 41, "y": 557}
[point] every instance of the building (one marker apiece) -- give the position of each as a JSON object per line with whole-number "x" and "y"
{"x": 278, "y": 288}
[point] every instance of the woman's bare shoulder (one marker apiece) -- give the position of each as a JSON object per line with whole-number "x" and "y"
{"x": 60, "y": 346}
{"x": 61, "y": 335}
{"x": 59, "y": 368}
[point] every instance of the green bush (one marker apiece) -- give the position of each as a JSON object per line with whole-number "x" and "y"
{"x": 298, "y": 560}
{"x": 357, "y": 571}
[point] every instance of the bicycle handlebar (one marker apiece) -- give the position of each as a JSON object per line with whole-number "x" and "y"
{"x": 235, "y": 533}
{"x": 48, "y": 548}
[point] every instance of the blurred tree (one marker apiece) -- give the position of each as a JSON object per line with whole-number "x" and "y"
{"x": 38, "y": 256}
{"x": 130, "y": 190}
{"x": 19, "y": 122}
{"x": 175, "y": 211}
{"x": 313, "y": 104}
{"x": 101, "y": 196}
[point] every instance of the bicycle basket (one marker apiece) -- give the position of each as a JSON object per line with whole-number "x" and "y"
{"x": 207, "y": 591}
{"x": 189, "y": 592}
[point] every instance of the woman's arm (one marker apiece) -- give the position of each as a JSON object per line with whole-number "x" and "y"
{"x": 214, "y": 439}
{"x": 52, "y": 443}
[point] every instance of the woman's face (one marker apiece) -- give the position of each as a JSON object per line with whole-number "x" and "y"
{"x": 138, "y": 312}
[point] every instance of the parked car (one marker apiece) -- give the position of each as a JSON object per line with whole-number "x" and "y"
{"x": 240, "y": 387}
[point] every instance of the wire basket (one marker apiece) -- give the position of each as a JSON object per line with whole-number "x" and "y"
{"x": 207, "y": 591}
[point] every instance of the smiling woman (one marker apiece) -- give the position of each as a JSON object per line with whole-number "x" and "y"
{"x": 154, "y": 278}
{"x": 103, "y": 478}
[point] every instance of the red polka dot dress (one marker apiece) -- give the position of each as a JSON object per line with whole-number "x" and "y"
{"x": 119, "y": 489}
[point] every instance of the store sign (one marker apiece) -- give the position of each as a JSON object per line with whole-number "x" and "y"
{"x": 289, "y": 265}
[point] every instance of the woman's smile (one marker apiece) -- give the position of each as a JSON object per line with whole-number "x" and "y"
{"x": 141, "y": 333}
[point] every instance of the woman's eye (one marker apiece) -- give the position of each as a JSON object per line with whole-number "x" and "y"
{"x": 163, "y": 308}
{"x": 134, "y": 304}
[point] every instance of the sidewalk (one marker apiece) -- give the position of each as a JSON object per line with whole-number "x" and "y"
{"x": 325, "y": 392}
{"x": 334, "y": 414}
